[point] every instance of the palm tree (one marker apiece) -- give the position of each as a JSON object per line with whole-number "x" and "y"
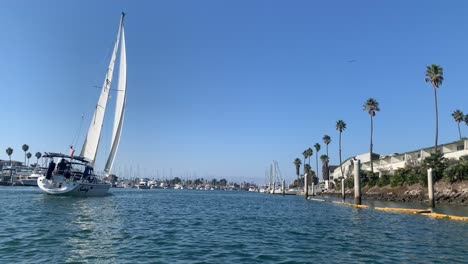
{"x": 458, "y": 117}
{"x": 25, "y": 148}
{"x": 297, "y": 163}
{"x": 38, "y": 156}
{"x": 310, "y": 152}
{"x": 308, "y": 173}
{"x": 9, "y": 151}
{"x": 28, "y": 155}
{"x": 340, "y": 126}
{"x": 325, "y": 172}
{"x": 326, "y": 140}
{"x": 371, "y": 106}
{"x": 305, "y": 153}
{"x": 435, "y": 76}
{"x": 466, "y": 120}
{"x": 317, "y": 149}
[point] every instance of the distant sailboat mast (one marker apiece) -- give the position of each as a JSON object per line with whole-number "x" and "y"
{"x": 90, "y": 146}
{"x": 120, "y": 105}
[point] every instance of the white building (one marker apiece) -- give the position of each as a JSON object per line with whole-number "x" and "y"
{"x": 394, "y": 161}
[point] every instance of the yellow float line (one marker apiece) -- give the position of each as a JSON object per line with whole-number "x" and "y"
{"x": 403, "y": 210}
{"x": 350, "y": 204}
{"x": 426, "y": 212}
{"x": 451, "y": 217}
{"x": 423, "y": 212}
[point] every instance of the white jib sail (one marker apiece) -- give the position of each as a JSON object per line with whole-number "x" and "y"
{"x": 119, "y": 106}
{"x": 90, "y": 146}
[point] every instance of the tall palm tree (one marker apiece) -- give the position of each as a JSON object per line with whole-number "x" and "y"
{"x": 9, "y": 151}
{"x": 310, "y": 152}
{"x": 458, "y": 117}
{"x": 466, "y": 120}
{"x": 325, "y": 171}
{"x": 28, "y": 155}
{"x": 371, "y": 106}
{"x": 305, "y": 153}
{"x": 297, "y": 163}
{"x": 326, "y": 140}
{"x": 340, "y": 126}
{"x": 435, "y": 76}
{"x": 317, "y": 149}
{"x": 38, "y": 156}
{"x": 25, "y": 148}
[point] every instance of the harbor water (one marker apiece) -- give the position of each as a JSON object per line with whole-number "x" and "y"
{"x": 190, "y": 226}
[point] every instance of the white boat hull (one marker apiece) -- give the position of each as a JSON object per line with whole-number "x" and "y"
{"x": 58, "y": 185}
{"x": 29, "y": 182}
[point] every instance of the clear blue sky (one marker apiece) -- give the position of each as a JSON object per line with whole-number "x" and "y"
{"x": 222, "y": 88}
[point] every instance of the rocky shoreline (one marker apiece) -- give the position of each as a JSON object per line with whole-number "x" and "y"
{"x": 444, "y": 193}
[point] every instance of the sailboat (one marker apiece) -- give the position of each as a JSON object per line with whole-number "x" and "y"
{"x": 74, "y": 175}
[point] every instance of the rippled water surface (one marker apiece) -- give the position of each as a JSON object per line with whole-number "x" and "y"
{"x": 188, "y": 226}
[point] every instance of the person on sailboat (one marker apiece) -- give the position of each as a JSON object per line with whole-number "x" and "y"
{"x": 86, "y": 172}
{"x": 50, "y": 169}
{"x": 61, "y": 167}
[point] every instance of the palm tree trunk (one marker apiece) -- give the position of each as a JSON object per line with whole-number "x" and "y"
{"x": 437, "y": 119}
{"x": 316, "y": 164}
{"x": 339, "y": 150}
{"x": 327, "y": 150}
{"x": 370, "y": 153}
{"x": 11, "y": 172}
{"x": 459, "y": 133}
{"x": 341, "y": 169}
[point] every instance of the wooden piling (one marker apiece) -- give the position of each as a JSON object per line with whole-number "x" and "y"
{"x": 342, "y": 188}
{"x": 430, "y": 188}
{"x": 357, "y": 182}
{"x": 283, "y": 187}
{"x": 306, "y": 186}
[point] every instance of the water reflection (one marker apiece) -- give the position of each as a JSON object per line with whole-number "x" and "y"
{"x": 223, "y": 227}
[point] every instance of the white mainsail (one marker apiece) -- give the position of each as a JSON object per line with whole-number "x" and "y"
{"x": 119, "y": 107}
{"x": 90, "y": 146}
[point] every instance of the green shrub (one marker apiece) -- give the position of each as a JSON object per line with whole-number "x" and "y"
{"x": 369, "y": 179}
{"x": 457, "y": 172}
{"x": 397, "y": 179}
{"x": 438, "y": 164}
{"x": 349, "y": 182}
{"x": 384, "y": 180}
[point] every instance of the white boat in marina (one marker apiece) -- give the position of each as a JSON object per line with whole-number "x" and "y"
{"x": 143, "y": 185}
{"x": 75, "y": 175}
{"x": 30, "y": 179}
{"x": 20, "y": 175}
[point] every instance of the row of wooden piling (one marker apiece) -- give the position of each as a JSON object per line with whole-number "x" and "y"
{"x": 357, "y": 185}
